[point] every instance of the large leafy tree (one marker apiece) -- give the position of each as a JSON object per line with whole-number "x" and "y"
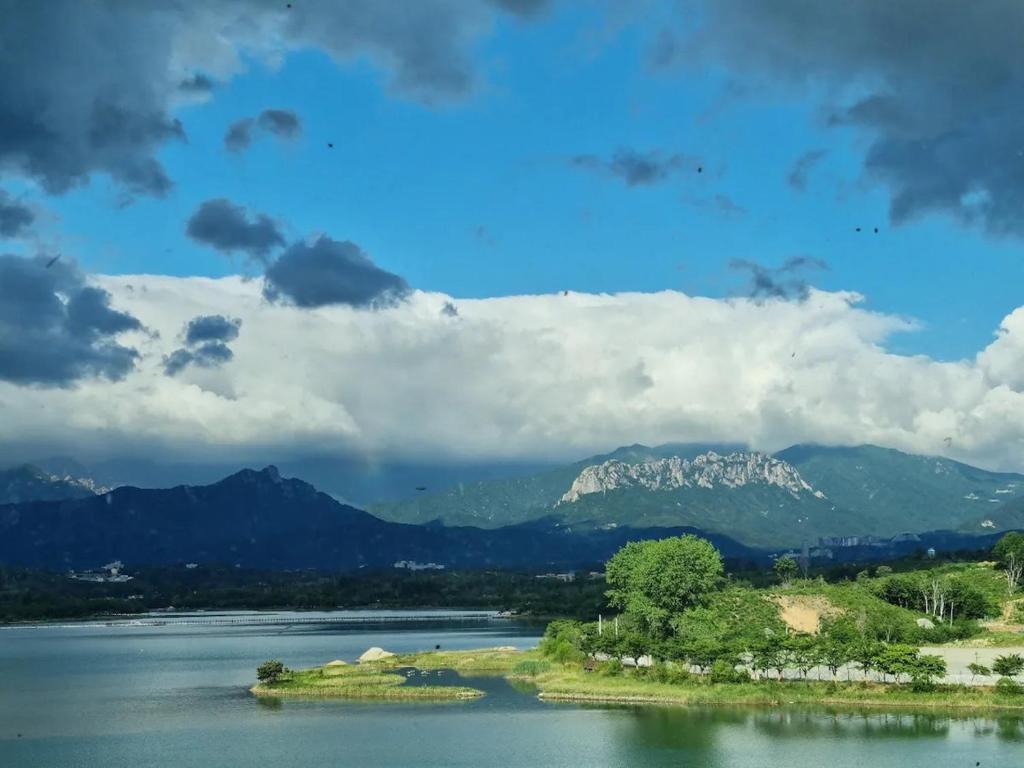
{"x": 654, "y": 580}
{"x": 1009, "y": 553}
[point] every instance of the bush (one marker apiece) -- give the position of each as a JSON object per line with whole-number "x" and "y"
{"x": 674, "y": 674}
{"x": 723, "y": 671}
{"x": 1008, "y": 687}
{"x": 612, "y": 668}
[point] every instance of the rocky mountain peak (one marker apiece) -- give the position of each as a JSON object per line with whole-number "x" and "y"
{"x": 708, "y": 470}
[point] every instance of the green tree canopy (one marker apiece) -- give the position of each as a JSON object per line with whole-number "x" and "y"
{"x": 269, "y": 671}
{"x": 653, "y": 580}
{"x": 1009, "y": 553}
{"x": 1008, "y": 666}
{"x": 786, "y": 569}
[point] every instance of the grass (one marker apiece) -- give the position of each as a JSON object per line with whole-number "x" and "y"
{"x": 483, "y": 661}
{"x": 365, "y": 681}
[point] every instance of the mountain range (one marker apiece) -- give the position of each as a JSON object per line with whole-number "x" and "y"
{"x": 257, "y": 519}
{"x": 749, "y": 503}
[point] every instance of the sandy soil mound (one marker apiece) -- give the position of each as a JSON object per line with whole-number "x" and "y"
{"x": 803, "y": 612}
{"x": 374, "y": 654}
{"x": 336, "y": 663}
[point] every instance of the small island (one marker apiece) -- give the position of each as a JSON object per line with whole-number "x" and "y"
{"x": 376, "y": 680}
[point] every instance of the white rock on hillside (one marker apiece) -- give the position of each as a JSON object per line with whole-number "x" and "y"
{"x": 709, "y": 470}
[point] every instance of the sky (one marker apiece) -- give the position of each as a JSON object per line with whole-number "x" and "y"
{"x": 494, "y": 231}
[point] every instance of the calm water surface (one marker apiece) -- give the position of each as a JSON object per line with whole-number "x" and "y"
{"x": 106, "y": 697}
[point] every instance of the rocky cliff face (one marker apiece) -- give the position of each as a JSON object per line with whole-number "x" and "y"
{"x": 709, "y": 470}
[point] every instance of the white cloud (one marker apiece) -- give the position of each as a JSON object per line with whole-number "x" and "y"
{"x": 524, "y": 377}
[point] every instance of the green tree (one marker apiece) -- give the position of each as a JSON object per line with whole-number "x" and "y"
{"x": 269, "y": 671}
{"x": 653, "y": 580}
{"x": 897, "y": 659}
{"x": 786, "y": 569}
{"x": 1008, "y": 666}
{"x": 563, "y": 641}
{"x": 925, "y": 669}
{"x": 865, "y": 655}
{"x": 977, "y": 669}
{"x": 1009, "y": 553}
{"x": 803, "y": 652}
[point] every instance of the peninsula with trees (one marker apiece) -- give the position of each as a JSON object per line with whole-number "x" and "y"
{"x": 685, "y": 632}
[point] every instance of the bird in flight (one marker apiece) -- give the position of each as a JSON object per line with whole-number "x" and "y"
{"x": 52, "y": 261}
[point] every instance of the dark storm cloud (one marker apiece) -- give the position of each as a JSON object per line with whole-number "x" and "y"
{"x": 211, "y": 328}
{"x": 797, "y": 177}
{"x": 238, "y": 135}
{"x": 209, "y": 355}
{"x": 54, "y": 328}
{"x": 331, "y": 272}
{"x": 782, "y": 282}
{"x": 939, "y": 84}
{"x": 80, "y": 92}
{"x": 198, "y": 83}
{"x": 637, "y": 168}
{"x": 15, "y": 218}
{"x": 90, "y": 87}
{"x": 280, "y": 122}
{"x": 206, "y": 338}
{"x": 229, "y": 228}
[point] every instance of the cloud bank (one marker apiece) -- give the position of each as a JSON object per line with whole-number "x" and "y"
{"x": 524, "y": 377}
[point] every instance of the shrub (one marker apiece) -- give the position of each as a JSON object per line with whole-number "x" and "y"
{"x": 723, "y": 671}
{"x": 674, "y": 674}
{"x": 1008, "y": 687}
{"x": 612, "y": 668}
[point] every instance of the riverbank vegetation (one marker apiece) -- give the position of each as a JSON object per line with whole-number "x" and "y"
{"x": 688, "y": 634}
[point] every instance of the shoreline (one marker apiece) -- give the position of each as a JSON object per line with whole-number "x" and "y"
{"x": 570, "y": 683}
{"x": 844, "y": 704}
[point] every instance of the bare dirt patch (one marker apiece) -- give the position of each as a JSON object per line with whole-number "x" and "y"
{"x": 803, "y": 612}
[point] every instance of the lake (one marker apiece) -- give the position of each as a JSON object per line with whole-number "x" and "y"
{"x": 93, "y": 696}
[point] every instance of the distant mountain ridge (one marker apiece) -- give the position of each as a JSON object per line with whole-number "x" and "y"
{"x": 802, "y": 493}
{"x": 257, "y": 519}
{"x": 30, "y": 483}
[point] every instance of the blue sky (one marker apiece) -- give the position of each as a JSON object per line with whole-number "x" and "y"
{"x": 477, "y": 198}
